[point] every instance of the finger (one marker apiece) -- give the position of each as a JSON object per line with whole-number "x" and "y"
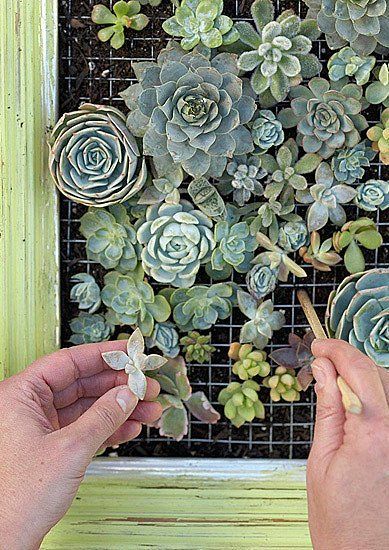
{"x": 127, "y": 431}
{"x": 146, "y": 413}
{"x": 358, "y": 370}
{"x": 384, "y": 375}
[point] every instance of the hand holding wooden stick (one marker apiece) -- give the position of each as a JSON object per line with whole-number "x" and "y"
{"x": 351, "y": 402}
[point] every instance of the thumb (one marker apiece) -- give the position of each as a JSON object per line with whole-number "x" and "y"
{"x": 102, "y": 419}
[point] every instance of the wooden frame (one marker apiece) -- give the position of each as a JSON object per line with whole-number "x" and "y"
{"x": 122, "y": 504}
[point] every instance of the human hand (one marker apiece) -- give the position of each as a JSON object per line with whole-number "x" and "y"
{"x": 54, "y": 417}
{"x": 348, "y": 468}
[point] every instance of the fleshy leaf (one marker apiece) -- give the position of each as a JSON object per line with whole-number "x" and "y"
{"x": 201, "y": 408}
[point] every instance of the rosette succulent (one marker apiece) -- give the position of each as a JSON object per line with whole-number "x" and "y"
{"x": 346, "y": 63}
{"x": 244, "y": 174}
{"x": 249, "y": 362}
{"x": 241, "y": 402}
{"x": 94, "y": 159}
{"x": 263, "y": 320}
{"x": 110, "y": 238}
{"x": 90, "y": 328}
{"x": 379, "y": 135}
{"x": 199, "y": 307}
{"x": 378, "y": 92}
{"x": 358, "y": 312}
{"x": 266, "y": 130}
{"x": 283, "y": 385}
{"x": 192, "y": 110}
{"x": 177, "y": 239}
{"x": 325, "y": 199}
{"x": 354, "y": 235}
{"x": 131, "y": 301}
{"x": 165, "y": 338}
{"x": 373, "y": 195}
{"x": 349, "y": 165}
{"x": 261, "y": 280}
{"x": 201, "y": 22}
{"x": 164, "y": 186}
{"x": 327, "y": 119}
{"x": 319, "y": 255}
{"x": 292, "y": 235}
{"x": 197, "y": 347}
{"x": 277, "y": 51}
{"x": 125, "y": 15}
{"x": 86, "y": 292}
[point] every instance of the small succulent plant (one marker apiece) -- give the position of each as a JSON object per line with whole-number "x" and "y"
{"x": 283, "y": 385}
{"x": 278, "y": 51}
{"x": 346, "y": 63}
{"x": 165, "y": 185}
{"x": 327, "y": 119}
{"x": 244, "y": 174}
{"x": 358, "y": 313}
{"x": 320, "y": 255}
{"x": 86, "y": 292}
{"x": 354, "y": 235}
{"x": 292, "y": 235}
{"x": 177, "y": 239}
{"x": 373, "y": 195}
{"x": 207, "y": 198}
{"x": 261, "y": 280}
{"x": 131, "y": 301}
{"x": 234, "y": 250}
{"x": 192, "y": 110}
{"x": 379, "y": 136}
{"x": 349, "y": 165}
{"x": 266, "y": 130}
{"x": 94, "y": 159}
{"x": 90, "y": 328}
{"x": 263, "y": 320}
{"x": 110, "y": 238}
{"x": 325, "y": 199}
{"x": 297, "y": 356}
{"x": 249, "y": 362}
{"x": 134, "y": 363}
{"x": 201, "y": 22}
{"x": 125, "y": 15}
{"x": 199, "y": 307}
{"x": 277, "y": 258}
{"x": 272, "y": 212}
{"x": 378, "y": 92}
{"x": 197, "y": 347}
{"x": 177, "y": 397}
{"x": 241, "y": 402}
{"x": 165, "y": 338}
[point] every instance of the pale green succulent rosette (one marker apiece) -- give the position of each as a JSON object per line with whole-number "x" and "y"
{"x": 373, "y": 195}
{"x": 262, "y": 280}
{"x": 267, "y": 131}
{"x": 263, "y": 320}
{"x": 243, "y": 174}
{"x": 90, "y": 328}
{"x": 241, "y": 402}
{"x": 293, "y": 235}
{"x": 177, "y": 239}
{"x": 346, "y": 63}
{"x": 165, "y": 338}
{"x": 358, "y": 312}
{"x": 349, "y": 165}
{"x": 86, "y": 292}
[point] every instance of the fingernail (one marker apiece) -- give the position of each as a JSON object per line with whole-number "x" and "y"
{"x": 126, "y": 400}
{"x": 319, "y": 374}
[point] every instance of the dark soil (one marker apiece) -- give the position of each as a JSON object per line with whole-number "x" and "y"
{"x": 91, "y": 72}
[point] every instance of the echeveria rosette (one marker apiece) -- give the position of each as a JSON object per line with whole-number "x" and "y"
{"x": 373, "y": 195}
{"x": 165, "y": 337}
{"x": 293, "y": 235}
{"x": 131, "y": 301}
{"x": 243, "y": 177}
{"x": 94, "y": 158}
{"x": 346, "y": 63}
{"x": 263, "y": 320}
{"x": 349, "y": 165}
{"x": 277, "y": 51}
{"x": 192, "y": 110}
{"x": 325, "y": 198}
{"x": 266, "y": 130}
{"x": 199, "y": 307}
{"x": 327, "y": 119}
{"x": 177, "y": 239}
{"x": 201, "y": 22}
{"x": 90, "y": 328}
{"x": 86, "y": 292}
{"x": 358, "y": 312}
{"x": 378, "y": 92}
{"x": 379, "y": 136}
{"x": 234, "y": 250}
{"x": 241, "y": 402}
{"x": 249, "y": 362}
{"x": 197, "y": 347}
{"x": 283, "y": 384}
{"x": 261, "y": 280}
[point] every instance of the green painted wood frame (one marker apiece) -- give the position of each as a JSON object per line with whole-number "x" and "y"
{"x": 121, "y": 504}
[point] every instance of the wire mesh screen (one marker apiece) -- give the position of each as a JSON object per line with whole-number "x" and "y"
{"x": 92, "y": 72}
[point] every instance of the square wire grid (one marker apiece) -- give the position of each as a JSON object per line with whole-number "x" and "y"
{"x": 92, "y": 72}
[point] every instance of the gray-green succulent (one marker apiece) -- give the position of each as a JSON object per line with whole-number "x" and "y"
{"x": 110, "y": 238}
{"x": 165, "y": 184}
{"x": 192, "y": 110}
{"x": 177, "y": 239}
{"x": 165, "y": 338}
{"x": 358, "y": 312}
{"x": 197, "y": 347}
{"x": 346, "y": 63}
{"x": 378, "y": 92}
{"x": 261, "y": 280}
{"x": 90, "y": 328}
{"x": 263, "y": 320}
{"x": 319, "y": 255}
{"x": 241, "y": 402}
{"x": 266, "y": 130}
{"x": 349, "y": 165}
{"x": 373, "y": 195}
{"x": 278, "y": 51}
{"x": 293, "y": 235}
{"x": 201, "y": 22}
{"x": 207, "y": 198}
{"x": 86, "y": 292}
{"x": 244, "y": 174}
{"x": 272, "y": 212}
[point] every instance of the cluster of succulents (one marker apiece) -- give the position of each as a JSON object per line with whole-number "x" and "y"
{"x": 200, "y": 199}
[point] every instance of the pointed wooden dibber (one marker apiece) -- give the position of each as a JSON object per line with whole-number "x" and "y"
{"x": 351, "y": 402}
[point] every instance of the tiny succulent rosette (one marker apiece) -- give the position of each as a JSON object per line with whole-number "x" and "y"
{"x": 207, "y": 198}
{"x": 177, "y": 239}
{"x": 319, "y": 254}
{"x": 244, "y": 174}
{"x": 134, "y": 363}
{"x": 192, "y": 110}
{"x": 278, "y": 51}
{"x": 293, "y": 235}
{"x": 349, "y": 165}
{"x": 125, "y": 15}
{"x": 298, "y": 355}
{"x": 110, "y": 238}
{"x": 346, "y": 63}
{"x": 263, "y": 320}
{"x": 86, "y": 292}
{"x": 373, "y": 195}
{"x": 378, "y": 92}
{"x": 266, "y": 130}
{"x": 197, "y": 347}
{"x": 358, "y": 312}
{"x": 249, "y": 362}
{"x": 90, "y": 328}
{"x": 325, "y": 198}
{"x": 165, "y": 337}
{"x": 327, "y": 119}
{"x": 94, "y": 158}
{"x": 261, "y": 280}
{"x": 283, "y": 385}
{"x": 201, "y": 22}
{"x": 131, "y": 301}
{"x": 379, "y": 136}
{"x": 241, "y": 402}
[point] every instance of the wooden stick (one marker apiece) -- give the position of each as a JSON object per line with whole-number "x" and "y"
{"x": 351, "y": 402}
